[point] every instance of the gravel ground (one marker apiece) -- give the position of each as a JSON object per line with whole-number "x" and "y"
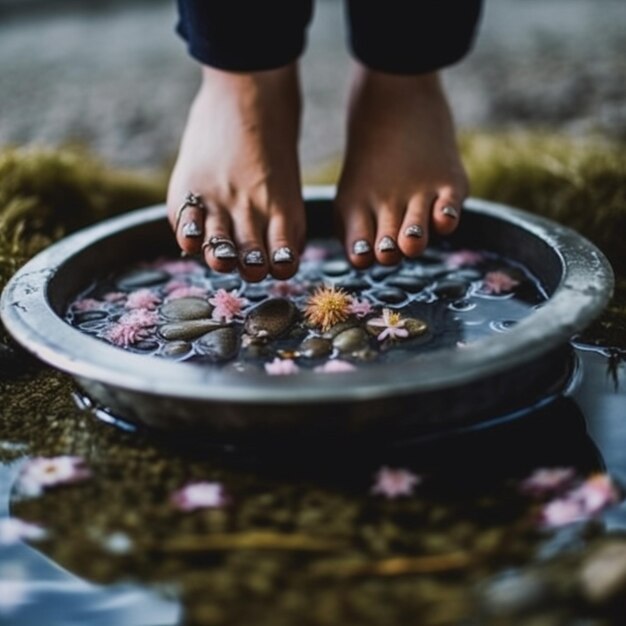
{"x": 119, "y": 80}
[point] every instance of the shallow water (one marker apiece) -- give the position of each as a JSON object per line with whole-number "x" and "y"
{"x": 467, "y": 502}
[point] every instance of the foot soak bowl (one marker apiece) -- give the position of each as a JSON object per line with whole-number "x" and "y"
{"x": 473, "y": 332}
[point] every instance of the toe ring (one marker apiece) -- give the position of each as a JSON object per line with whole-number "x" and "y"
{"x": 191, "y": 199}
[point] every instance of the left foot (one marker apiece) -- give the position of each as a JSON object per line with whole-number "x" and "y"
{"x": 402, "y": 174}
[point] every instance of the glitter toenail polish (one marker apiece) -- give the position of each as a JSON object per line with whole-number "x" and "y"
{"x": 451, "y": 212}
{"x": 225, "y": 251}
{"x": 254, "y": 257}
{"x": 191, "y": 230}
{"x": 361, "y": 246}
{"x": 283, "y": 255}
{"x": 387, "y": 244}
{"x": 414, "y": 230}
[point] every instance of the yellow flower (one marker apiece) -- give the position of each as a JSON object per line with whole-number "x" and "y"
{"x": 327, "y": 307}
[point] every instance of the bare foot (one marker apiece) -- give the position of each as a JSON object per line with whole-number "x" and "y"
{"x": 238, "y": 157}
{"x": 402, "y": 174}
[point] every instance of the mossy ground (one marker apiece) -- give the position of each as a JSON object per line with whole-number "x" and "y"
{"x": 294, "y": 546}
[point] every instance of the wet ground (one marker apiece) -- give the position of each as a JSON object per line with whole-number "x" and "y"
{"x": 116, "y": 77}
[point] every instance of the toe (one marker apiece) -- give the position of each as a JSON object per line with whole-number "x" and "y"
{"x": 283, "y": 245}
{"x": 447, "y": 210}
{"x": 253, "y": 261}
{"x": 389, "y": 219}
{"x": 413, "y": 235}
{"x": 187, "y": 220}
{"x": 358, "y": 227}
{"x": 218, "y": 248}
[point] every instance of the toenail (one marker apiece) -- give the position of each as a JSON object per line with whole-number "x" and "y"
{"x": 283, "y": 255}
{"x": 191, "y": 230}
{"x": 451, "y": 212}
{"x": 254, "y": 257}
{"x": 387, "y": 244}
{"x": 414, "y": 230}
{"x": 191, "y": 199}
{"x": 225, "y": 250}
{"x": 361, "y": 246}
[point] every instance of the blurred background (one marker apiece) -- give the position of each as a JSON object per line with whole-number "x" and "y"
{"x": 114, "y": 77}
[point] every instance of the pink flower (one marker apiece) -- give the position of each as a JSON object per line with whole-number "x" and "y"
{"x": 186, "y": 291}
{"x": 41, "y": 472}
{"x": 200, "y": 495}
{"x": 547, "y": 480}
{"x": 391, "y": 323}
{"x": 115, "y": 296}
{"x": 462, "y": 258}
{"x": 227, "y": 305}
{"x": 281, "y": 367}
{"x": 143, "y": 318}
{"x": 591, "y": 497}
{"x": 14, "y": 530}
{"x": 335, "y": 366}
{"x": 142, "y": 299}
{"x": 360, "y": 308}
{"x": 392, "y": 483}
{"x": 123, "y": 335}
{"x": 314, "y": 253}
{"x": 499, "y": 282}
{"x": 86, "y": 304}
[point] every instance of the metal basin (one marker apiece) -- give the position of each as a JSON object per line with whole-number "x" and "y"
{"x": 440, "y": 391}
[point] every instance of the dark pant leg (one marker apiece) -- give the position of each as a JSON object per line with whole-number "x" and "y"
{"x": 240, "y": 35}
{"x": 384, "y": 34}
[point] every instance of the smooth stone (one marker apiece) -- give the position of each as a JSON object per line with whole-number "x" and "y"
{"x": 465, "y": 274}
{"x": 141, "y": 278}
{"x": 353, "y": 285}
{"x": 271, "y": 318}
{"x": 316, "y": 347}
{"x": 390, "y": 295}
{"x": 146, "y": 345}
{"x": 187, "y": 330}
{"x": 219, "y": 345}
{"x": 513, "y": 593}
{"x": 451, "y": 289}
{"x": 176, "y": 348}
{"x": 333, "y": 331}
{"x": 186, "y": 309}
{"x": 411, "y": 284}
{"x": 227, "y": 283}
{"x": 351, "y": 340}
{"x": 88, "y": 316}
{"x": 603, "y": 573}
{"x": 337, "y": 267}
{"x": 256, "y": 293}
{"x": 415, "y": 327}
{"x": 380, "y": 272}
{"x": 94, "y": 325}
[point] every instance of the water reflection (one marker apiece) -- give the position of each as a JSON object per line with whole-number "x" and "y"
{"x": 35, "y": 590}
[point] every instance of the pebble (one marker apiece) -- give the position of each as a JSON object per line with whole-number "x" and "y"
{"x": 228, "y": 283}
{"x": 316, "y": 347}
{"x": 333, "y": 331}
{"x": 176, "y": 348}
{"x": 390, "y": 295}
{"x": 187, "y": 330}
{"x": 88, "y": 316}
{"x": 603, "y": 573}
{"x": 353, "y": 285}
{"x": 351, "y": 340}
{"x": 271, "y": 318}
{"x": 380, "y": 272}
{"x": 411, "y": 284}
{"x": 514, "y": 592}
{"x": 186, "y": 309}
{"x": 337, "y": 267}
{"x": 466, "y": 274}
{"x": 147, "y": 345}
{"x": 141, "y": 278}
{"x": 415, "y": 326}
{"x": 451, "y": 289}
{"x": 219, "y": 345}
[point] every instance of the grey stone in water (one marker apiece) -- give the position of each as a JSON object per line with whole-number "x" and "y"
{"x": 465, "y": 274}
{"x": 415, "y": 327}
{"x": 333, "y": 331}
{"x": 451, "y": 289}
{"x": 411, "y": 284}
{"x": 89, "y": 316}
{"x": 186, "y": 309}
{"x": 141, "y": 278}
{"x": 316, "y": 347}
{"x": 353, "y": 285}
{"x": 390, "y": 295}
{"x": 380, "y": 272}
{"x": 336, "y": 267}
{"x": 176, "y": 348}
{"x": 187, "y": 330}
{"x": 219, "y": 345}
{"x": 256, "y": 293}
{"x": 271, "y": 318}
{"x": 603, "y": 573}
{"x": 227, "y": 282}
{"x": 146, "y": 345}
{"x": 351, "y": 340}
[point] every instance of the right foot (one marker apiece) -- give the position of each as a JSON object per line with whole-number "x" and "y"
{"x": 239, "y": 156}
